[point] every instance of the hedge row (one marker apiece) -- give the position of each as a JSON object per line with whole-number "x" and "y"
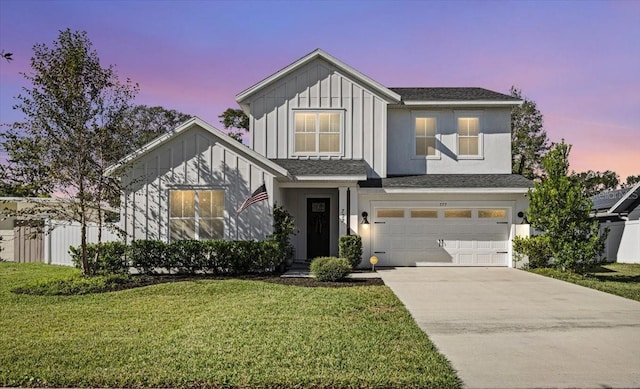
{"x": 216, "y": 257}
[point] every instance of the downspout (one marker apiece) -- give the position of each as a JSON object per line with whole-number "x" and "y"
{"x": 348, "y": 211}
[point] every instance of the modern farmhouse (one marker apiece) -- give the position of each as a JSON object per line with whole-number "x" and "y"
{"x": 423, "y": 175}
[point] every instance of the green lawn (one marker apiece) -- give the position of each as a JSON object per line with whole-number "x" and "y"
{"x": 616, "y": 278}
{"x": 212, "y": 333}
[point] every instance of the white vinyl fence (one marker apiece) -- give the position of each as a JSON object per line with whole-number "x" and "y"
{"x": 60, "y": 235}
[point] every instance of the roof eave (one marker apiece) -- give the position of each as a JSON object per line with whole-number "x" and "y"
{"x": 450, "y": 190}
{"x": 635, "y": 191}
{"x": 318, "y": 53}
{"x": 502, "y": 103}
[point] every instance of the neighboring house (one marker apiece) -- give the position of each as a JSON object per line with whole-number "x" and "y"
{"x": 619, "y": 210}
{"x": 427, "y": 169}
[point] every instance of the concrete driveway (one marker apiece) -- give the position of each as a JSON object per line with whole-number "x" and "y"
{"x": 506, "y": 328}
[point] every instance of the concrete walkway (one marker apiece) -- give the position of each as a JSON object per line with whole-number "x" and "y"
{"x": 506, "y": 328}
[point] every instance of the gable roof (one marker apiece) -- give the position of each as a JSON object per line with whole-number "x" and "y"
{"x": 324, "y": 168}
{"x": 603, "y": 201}
{"x": 195, "y": 121}
{"x": 453, "y": 181}
{"x": 455, "y": 96}
{"x": 318, "y": 53}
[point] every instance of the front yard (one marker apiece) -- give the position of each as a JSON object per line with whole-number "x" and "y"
{"x": 212, "y": 333}
{"x": 616, "y": 278}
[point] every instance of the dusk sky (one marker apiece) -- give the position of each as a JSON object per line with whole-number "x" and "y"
{"x": 578, "y": 60}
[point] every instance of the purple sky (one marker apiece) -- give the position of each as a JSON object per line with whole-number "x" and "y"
{"x": 579, "y": 60}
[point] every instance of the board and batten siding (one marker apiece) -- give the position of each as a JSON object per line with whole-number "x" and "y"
{"x": 319, "y": 85}
{"x": 194, "y": 159}
{"x": 496, "y": 142}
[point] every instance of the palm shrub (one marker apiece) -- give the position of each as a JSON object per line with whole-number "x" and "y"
{"x": 350, "y": 247}
{"x": 330, "y": 269}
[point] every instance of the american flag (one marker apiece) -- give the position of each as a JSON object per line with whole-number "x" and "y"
{"x": 258, "y": 195}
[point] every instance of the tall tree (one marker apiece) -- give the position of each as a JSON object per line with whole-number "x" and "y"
{"x": 529, "y": 141}
{"x": 146, "y": 123}
{"x": 559, "y": 207}
{"x": 236, "y": 122}
{"x": 74, "y": 112}
{"x": 631, "y": 181}
{"x": 7, "y": 56}
{"x": 596, "y": 182}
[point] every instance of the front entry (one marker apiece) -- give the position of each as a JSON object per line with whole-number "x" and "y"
{"x": 318, "y": 227}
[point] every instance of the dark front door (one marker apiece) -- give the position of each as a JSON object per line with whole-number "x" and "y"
{"x": 317, "y": 228}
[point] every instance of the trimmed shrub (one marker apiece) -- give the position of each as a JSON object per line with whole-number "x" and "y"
{"x": 112, "y": 259}
{"x": 148, "y": 255}
{"x": 188, "y": 256}
{"x": 537, "y": 248}
{"x": 350, "y": 247}
{"x": 330, "y": 269}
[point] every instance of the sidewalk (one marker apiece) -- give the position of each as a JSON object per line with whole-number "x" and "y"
{"x": 301, "y": 270}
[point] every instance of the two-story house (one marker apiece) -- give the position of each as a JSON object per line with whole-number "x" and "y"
{"x": 422, "y": 174}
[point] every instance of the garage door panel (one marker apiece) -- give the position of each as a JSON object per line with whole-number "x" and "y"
{"x": 446, "y": 241}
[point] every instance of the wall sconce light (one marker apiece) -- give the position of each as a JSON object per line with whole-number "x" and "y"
{"x": 365, "y": 221}
{"x": 524, "y": 217}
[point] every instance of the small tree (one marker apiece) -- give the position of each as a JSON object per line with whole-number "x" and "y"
{"x": 284, "y": 225}
{"x": 236, "y": 122}
{"x": 73, "y": 115}
{"x": 559, "y": 207}
{"x": 528, "y": 138}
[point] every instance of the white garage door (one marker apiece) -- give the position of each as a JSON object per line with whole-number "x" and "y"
{"x": 422, "y": 236}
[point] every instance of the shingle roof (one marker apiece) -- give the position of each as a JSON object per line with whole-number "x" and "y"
{"x": 606, "y": 200}
{"x": 323, "y": 167}
{"x": 451, "y": 94}
{"x": 450, "y": 181}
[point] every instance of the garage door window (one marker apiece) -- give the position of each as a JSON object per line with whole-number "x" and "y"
{"x": 492, "y": 213}
{"x": 390, "y": 212}
{"x": 424, "y": 213}
{"x": 457, "y": 213}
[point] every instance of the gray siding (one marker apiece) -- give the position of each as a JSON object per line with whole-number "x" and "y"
{"x": 495, "y": 127}
{"x": 194, "y": 159}
{"x": 319, "y": 85}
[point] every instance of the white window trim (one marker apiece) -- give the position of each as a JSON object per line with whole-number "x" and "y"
{"x": 196, "y": 188}
{"x": 292, "y": 132}
{"x": 480, "y": 116}
{"x": 428, "y": 115}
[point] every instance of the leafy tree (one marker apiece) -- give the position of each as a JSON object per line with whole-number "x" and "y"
{"x": 596, "y": 182}
{"x": 529, "y": 141}
{"x": 236, "y": 122}
{"x": 631, "y": 181}
{"x": 146, "y": 123}
{"x": 24, "y": 175}
{"x": 73, "y": 113}
{"x": 559, "y": 207}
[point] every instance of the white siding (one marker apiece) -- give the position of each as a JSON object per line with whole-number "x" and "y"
{"x": 194, "y": 159}
{"x": 319, "y": 85}
{"x": 496, "y": 140}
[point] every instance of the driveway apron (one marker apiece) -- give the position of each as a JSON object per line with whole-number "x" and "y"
{"x": 507, "y": 328}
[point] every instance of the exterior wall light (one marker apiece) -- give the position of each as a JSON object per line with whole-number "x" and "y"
{"x": 365, "y": 221}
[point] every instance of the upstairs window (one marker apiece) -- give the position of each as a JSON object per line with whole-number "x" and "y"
{"x": 468, "y": 136}
{"x": 317, "y": 132}
{"x": 196, "y": 214}
{"x": 425, "y": 131}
